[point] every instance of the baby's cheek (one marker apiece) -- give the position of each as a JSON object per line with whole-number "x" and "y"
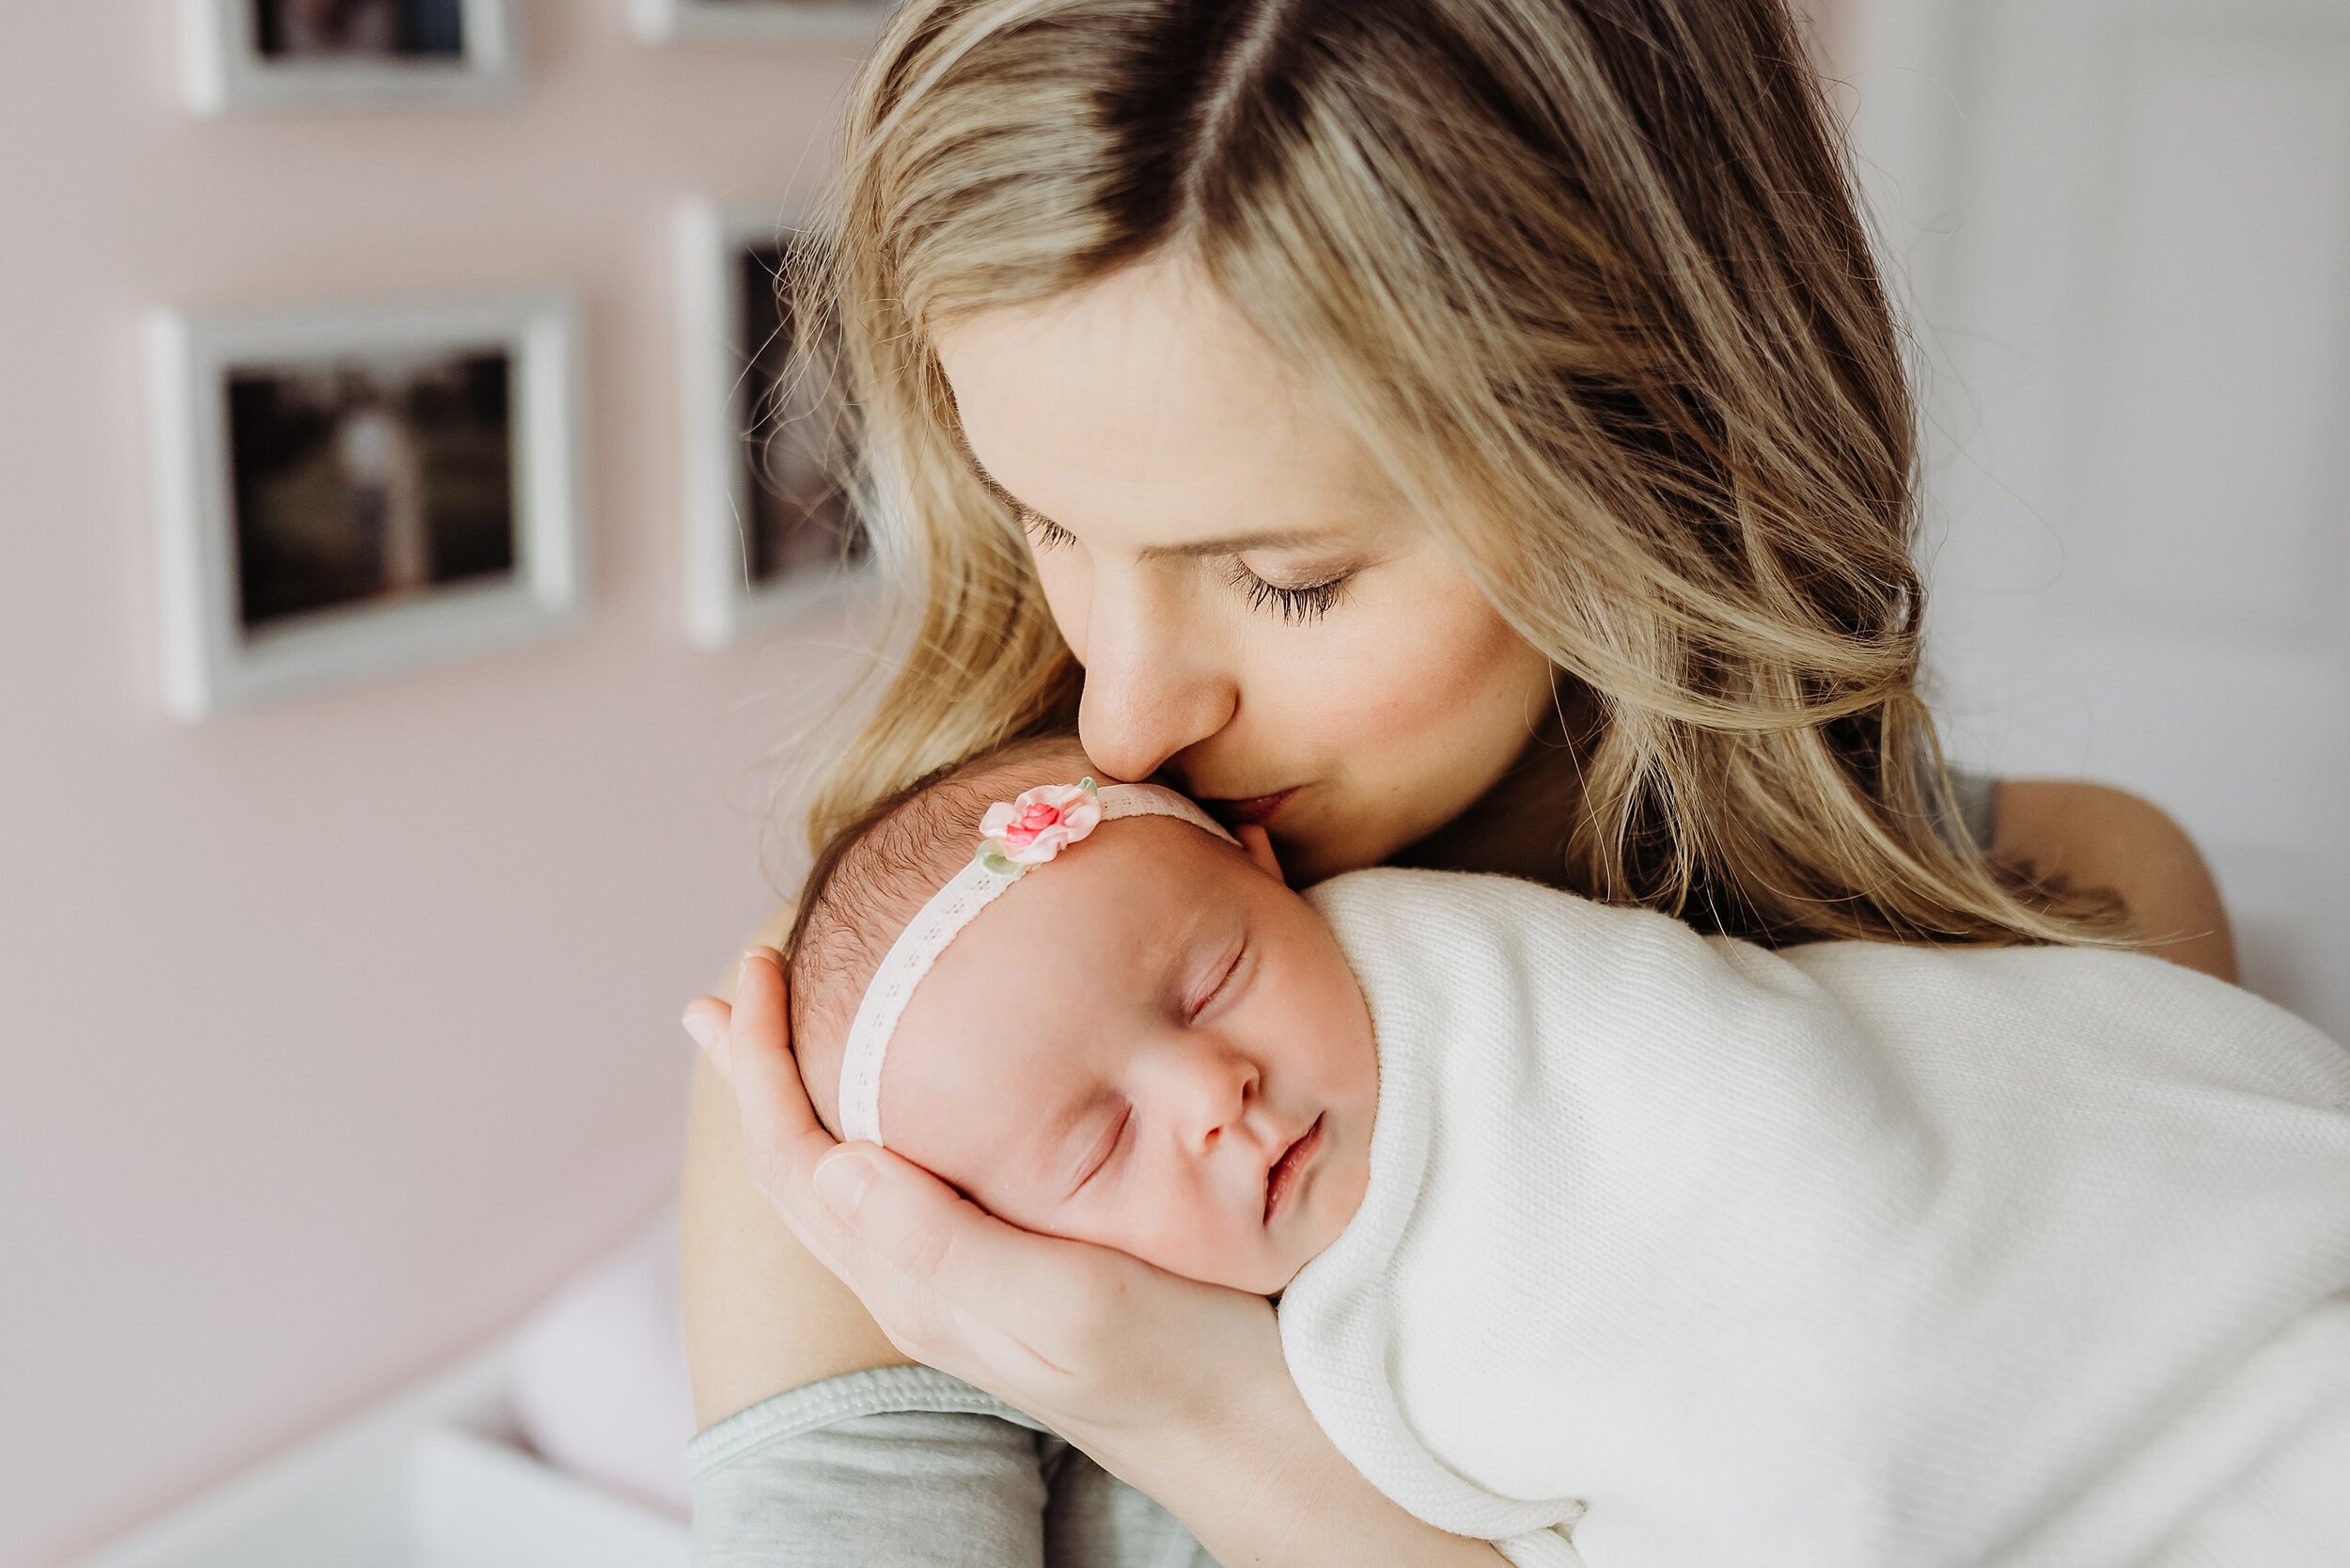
{"x": 1196, "y": 1239}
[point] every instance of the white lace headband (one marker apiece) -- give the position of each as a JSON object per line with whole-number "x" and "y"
{"x": 1014, "y": 836}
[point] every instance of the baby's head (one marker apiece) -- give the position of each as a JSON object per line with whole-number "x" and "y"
{"x": 1147, "y": 1042}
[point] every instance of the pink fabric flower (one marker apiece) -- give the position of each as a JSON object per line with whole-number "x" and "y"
{"x": 1038, "y": 824}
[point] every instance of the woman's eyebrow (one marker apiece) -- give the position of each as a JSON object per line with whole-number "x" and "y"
{"x": 1239, "y": 544}
{"x": 1236, "y": 544}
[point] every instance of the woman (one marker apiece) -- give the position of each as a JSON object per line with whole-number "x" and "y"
{"x": 1468, "y": 432}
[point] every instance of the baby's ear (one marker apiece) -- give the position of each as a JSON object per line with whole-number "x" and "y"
{"x": 1259, "y": 845}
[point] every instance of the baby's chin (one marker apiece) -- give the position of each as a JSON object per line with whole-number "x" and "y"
{"x": 1269, "y": 1283}
{"x": 1272, "y": 1278}
{"x": 1263, "y": 1271}
{"x": 1270, "y": 1275}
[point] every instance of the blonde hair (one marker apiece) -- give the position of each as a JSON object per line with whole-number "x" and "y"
{"x": 1588, "y": 272}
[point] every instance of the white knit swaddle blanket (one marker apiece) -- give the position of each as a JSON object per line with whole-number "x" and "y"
{"x": 1849, "y": 1254}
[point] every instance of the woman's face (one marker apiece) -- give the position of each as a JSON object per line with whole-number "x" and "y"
{"x": 1262, "y": 620}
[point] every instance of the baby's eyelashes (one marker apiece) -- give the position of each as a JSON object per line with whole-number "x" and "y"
{"x": 1104, "y": 1148}
{"x": 1218, "y": 983}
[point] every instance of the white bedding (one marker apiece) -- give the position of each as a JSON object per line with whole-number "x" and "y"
{"x": 1677, "y": 1252}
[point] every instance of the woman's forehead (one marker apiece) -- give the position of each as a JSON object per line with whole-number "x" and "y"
{"x": 1145, "y": 404}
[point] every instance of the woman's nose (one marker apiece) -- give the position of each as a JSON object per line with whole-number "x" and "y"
{"x": 1153, "y": 687}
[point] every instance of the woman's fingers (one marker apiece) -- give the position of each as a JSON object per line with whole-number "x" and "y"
{"x": 906, "y": 1227}
{"x": 710, "y": 1022}
{"x": 775, "y": 1113}
{"x": 1086, "y": 1339}
{"x": 783, "y": 1139}
{"x": 916, "y": 1225}
{"x": 963, "y": 1290}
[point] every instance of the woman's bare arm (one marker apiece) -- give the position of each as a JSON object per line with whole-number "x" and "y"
{"x": 2095, "y": 837}
{"x": 761, "y": 1315}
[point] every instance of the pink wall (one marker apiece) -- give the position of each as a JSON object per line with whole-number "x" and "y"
{"x": 332, "y": 1034}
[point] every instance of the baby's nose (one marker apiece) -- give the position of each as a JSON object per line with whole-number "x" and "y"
{"x": 1220, "y": 1089}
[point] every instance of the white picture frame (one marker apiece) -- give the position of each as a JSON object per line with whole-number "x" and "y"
{"x": 226, "y": 66}
{"x": 846, "y": 21}
{"x": 726, "y": 599}
{"x": 515, "y": 498}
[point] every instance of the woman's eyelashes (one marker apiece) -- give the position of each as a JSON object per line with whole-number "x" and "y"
{"x": 1297, "y": 603}
{"x": 1308, "y": 601}
{"x": 1048, "y": 534}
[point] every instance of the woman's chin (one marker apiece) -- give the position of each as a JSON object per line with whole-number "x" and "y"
{"x": 1318, "y": 848}
{"x": 1309, "y": 858}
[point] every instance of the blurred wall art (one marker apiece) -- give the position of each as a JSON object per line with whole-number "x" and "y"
{"x": 238, "y": 55}
{"x": 347, "y": 493}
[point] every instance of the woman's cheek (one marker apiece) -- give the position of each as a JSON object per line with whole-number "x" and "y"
{"x": 1471, "y": 674}
{"x": 1396, "y": 669}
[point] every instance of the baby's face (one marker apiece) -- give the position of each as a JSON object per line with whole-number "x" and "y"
{"x": 1152, "y": 1044}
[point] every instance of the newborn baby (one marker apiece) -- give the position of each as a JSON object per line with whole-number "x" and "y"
{"x": 1594, "y": 1236}
{"x": 1169, "y": 1055}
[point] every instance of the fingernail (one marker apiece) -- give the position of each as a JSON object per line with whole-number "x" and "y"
{"x": 699, "y": 1026}
{"x": 842, "y": 1181}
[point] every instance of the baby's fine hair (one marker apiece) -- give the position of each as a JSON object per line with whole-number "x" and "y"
{"x": 874, "y": 874}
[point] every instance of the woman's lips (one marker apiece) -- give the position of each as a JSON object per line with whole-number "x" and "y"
{"x": 1254, "y": 809}
{"x": 1282, "y": 1179}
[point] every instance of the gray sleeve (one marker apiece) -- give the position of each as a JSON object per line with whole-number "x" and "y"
{"x": 1978, "y": 798}
{"x": 904, "y": 1466}
{"x": 901, "y": 1466}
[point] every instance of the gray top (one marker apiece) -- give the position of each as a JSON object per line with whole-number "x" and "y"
{"x": 912, "y": 1468}
{"x": 908, "y": 1468}
{"x": 1978, "y": 806}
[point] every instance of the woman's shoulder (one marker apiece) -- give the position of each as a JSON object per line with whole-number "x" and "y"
{"x": 1975, "y": 809}
{"x": 2097, "y": 837}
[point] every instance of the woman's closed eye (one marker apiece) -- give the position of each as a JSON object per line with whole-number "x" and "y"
{"x": 1291, "y": 601}
{"x": 1304, "y": 602}
{"x": 1048, "y": 534}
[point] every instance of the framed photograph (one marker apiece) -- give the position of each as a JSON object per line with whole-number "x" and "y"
{"x": 344, "y": 494}
{"x": 768, "y": 533}
{"x": 852, "y": 21}
{"x": 345, "y": 53}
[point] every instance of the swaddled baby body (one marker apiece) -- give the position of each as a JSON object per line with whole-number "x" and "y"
{"x": 1596, "y": 1237}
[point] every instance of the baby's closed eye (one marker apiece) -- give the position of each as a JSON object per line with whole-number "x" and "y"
{"x": 1110, "y": 1146}
{"x": 1218, "y": 981}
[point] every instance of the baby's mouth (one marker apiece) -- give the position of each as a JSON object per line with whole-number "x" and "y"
{"x": 1283, "y": 1178}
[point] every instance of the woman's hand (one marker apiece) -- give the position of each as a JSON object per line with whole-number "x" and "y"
{"x": 1176, "y": 1387}
{"x": 1098, "y": 1345}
